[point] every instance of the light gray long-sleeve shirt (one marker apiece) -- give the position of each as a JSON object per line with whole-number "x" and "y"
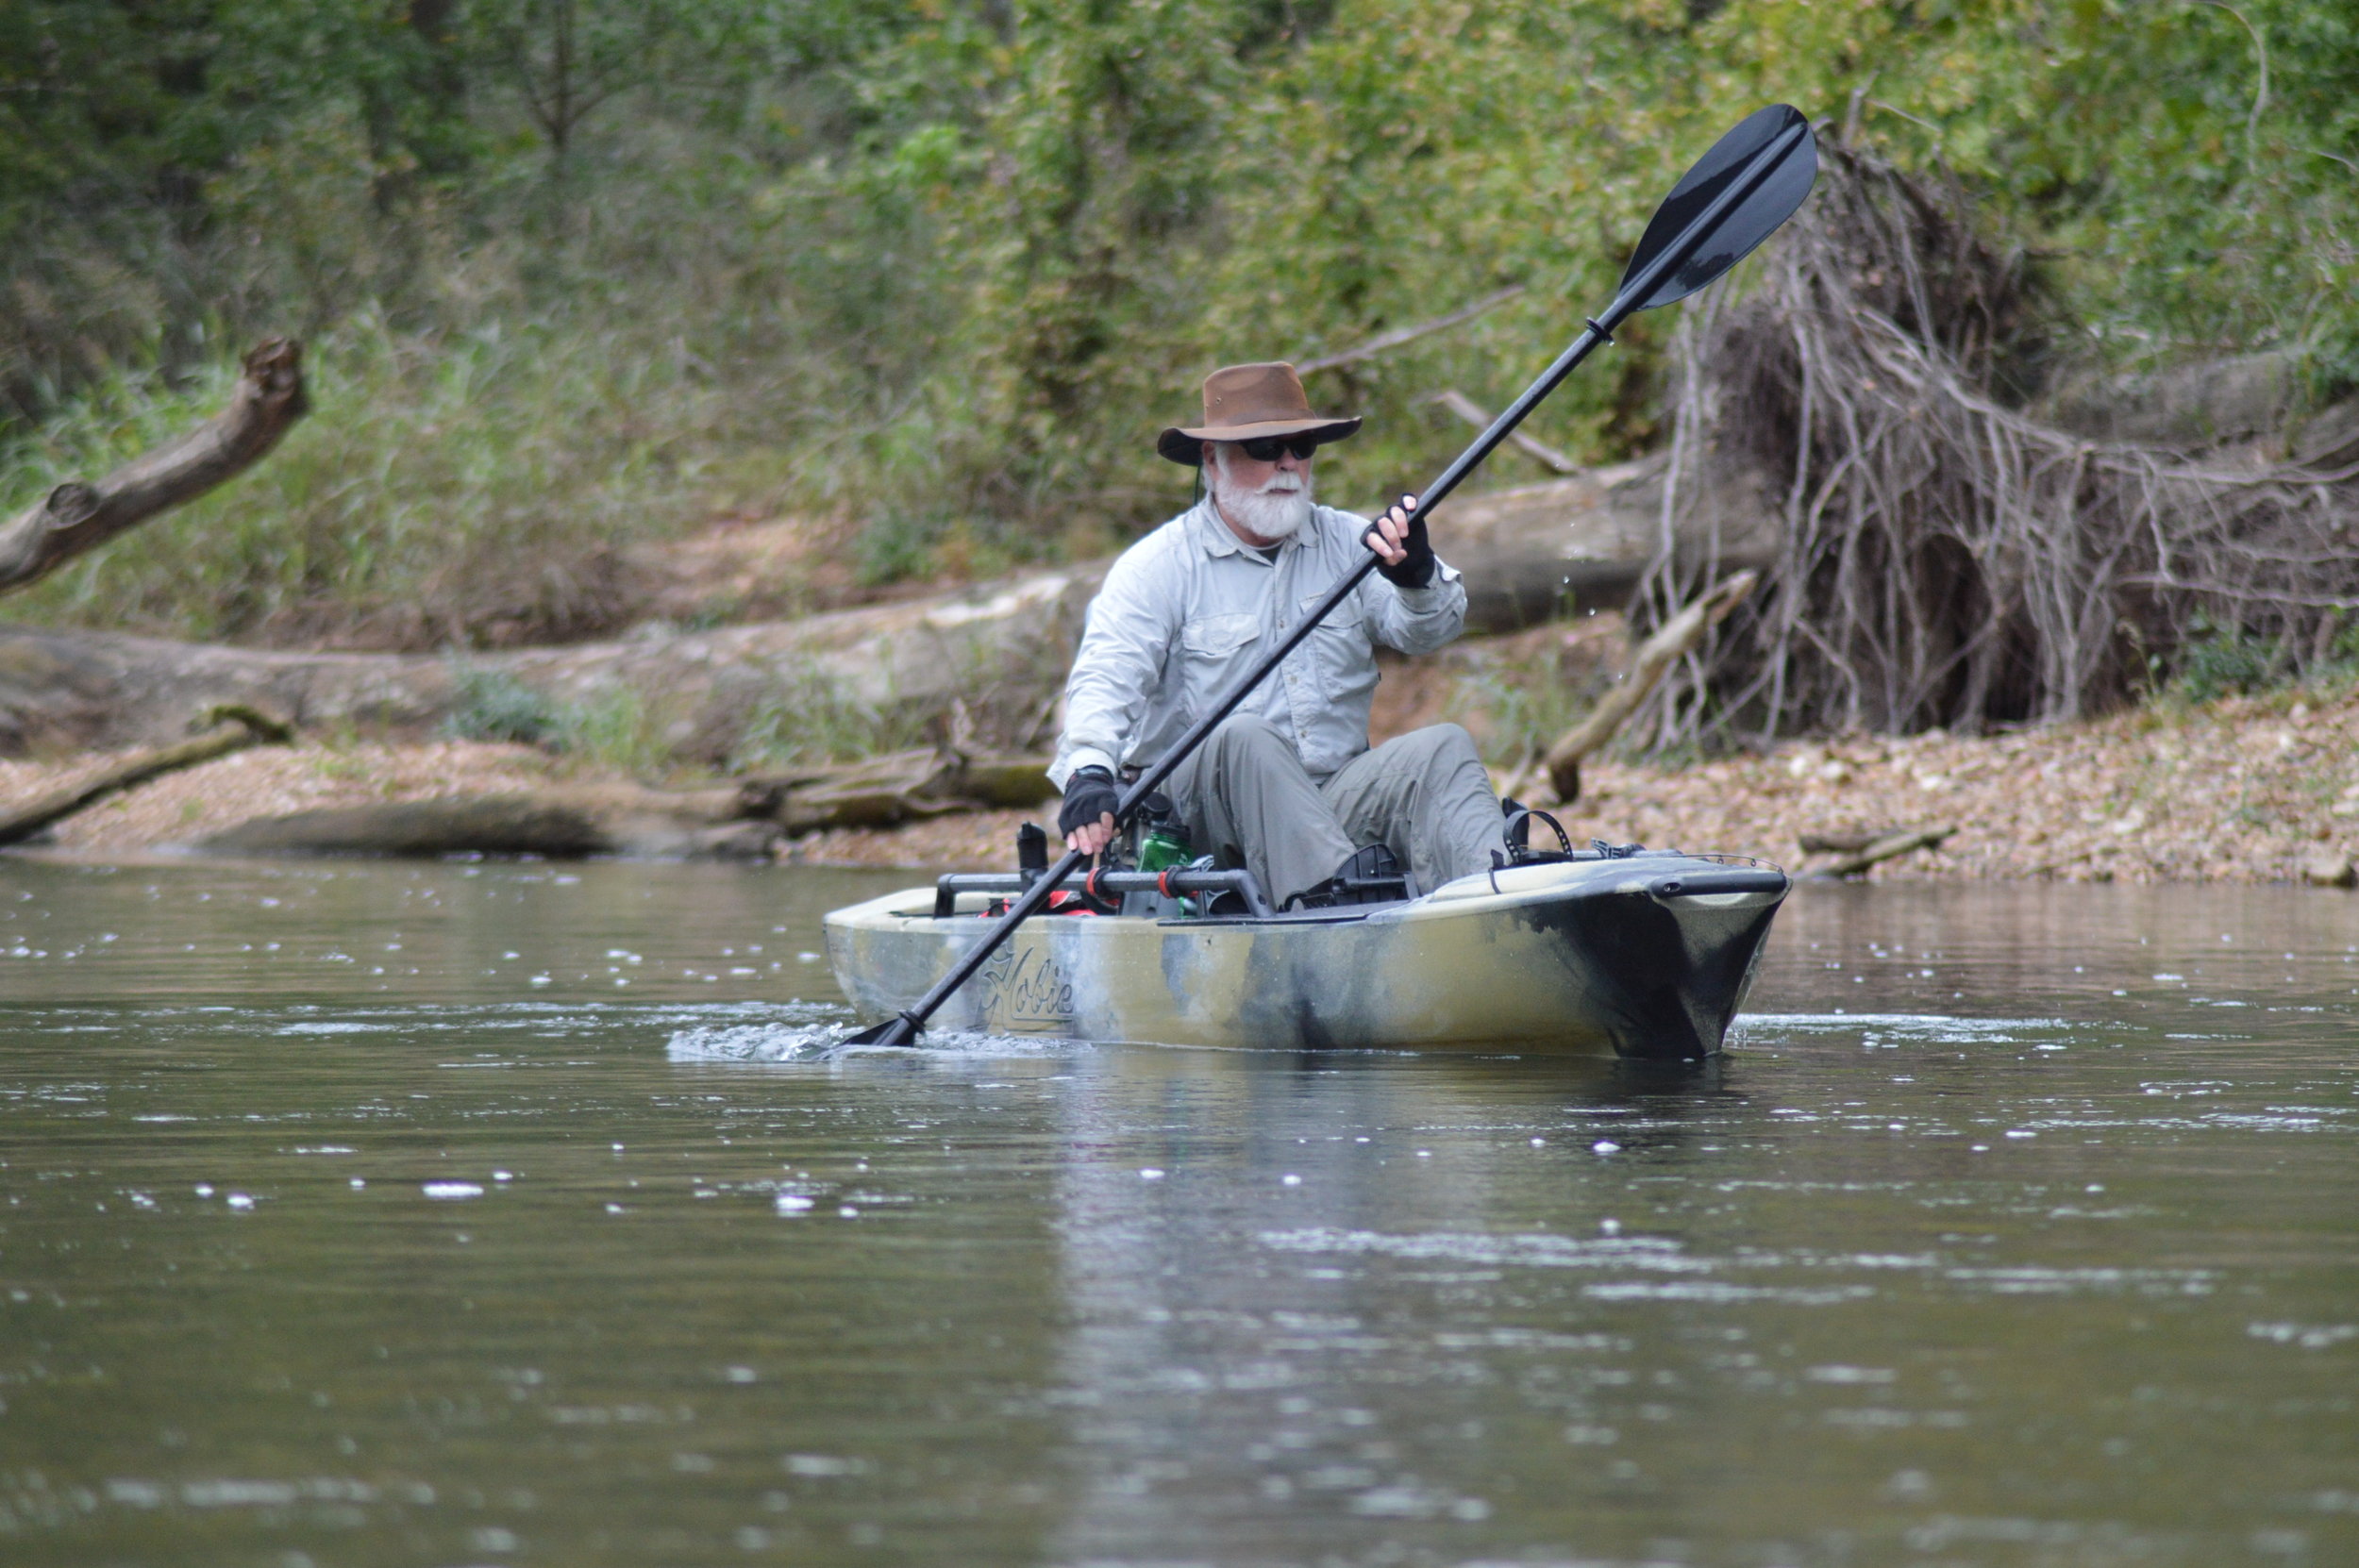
{"x": 1189, "y": 609}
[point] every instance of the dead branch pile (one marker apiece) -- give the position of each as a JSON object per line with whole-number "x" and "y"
{"x": 1947, "y": 561}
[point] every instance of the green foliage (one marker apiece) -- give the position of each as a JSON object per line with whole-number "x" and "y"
{"x": 614, "y": 727}
{"x": 492, "y": 705}
{"x": 811, "y": 719}
{"x": 895, "y": 546}
{"x": 2221, "y": 662}
{"x": 581, "y": 273}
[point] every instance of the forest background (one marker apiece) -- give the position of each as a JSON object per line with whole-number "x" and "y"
{"x": 580, "y": 275}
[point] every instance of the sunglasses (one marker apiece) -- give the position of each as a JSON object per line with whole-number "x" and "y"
{"x": 1265, "y": 449}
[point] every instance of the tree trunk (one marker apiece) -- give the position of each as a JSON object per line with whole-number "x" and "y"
{"x": 76, "y": 517}
{"x": 557, "y": 823}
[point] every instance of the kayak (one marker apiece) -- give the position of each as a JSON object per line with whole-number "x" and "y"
{"x": 1621, "y": 951}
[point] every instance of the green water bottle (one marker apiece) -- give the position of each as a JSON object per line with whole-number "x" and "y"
{"x": 1160, "y": 847}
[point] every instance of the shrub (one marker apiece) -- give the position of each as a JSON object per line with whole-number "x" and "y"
{"x": 2224, "y": 663}
{"x": 492, "y": 705}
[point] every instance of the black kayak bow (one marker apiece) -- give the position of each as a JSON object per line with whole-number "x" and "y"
{"x": 1733, "y": 198}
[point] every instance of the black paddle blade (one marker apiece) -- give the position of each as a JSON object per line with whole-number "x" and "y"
{"x": 899, "y": 1030}
{"x": 1753, "y": 220}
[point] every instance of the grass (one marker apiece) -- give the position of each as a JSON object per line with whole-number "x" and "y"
{"x": 615, "y": 729}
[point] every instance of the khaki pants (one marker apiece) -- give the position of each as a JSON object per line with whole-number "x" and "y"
{"x": 1248, "y": 800}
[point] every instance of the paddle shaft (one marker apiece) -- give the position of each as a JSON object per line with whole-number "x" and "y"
{"x": 904, "y": 1028}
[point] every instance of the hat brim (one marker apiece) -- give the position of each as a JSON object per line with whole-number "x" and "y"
{"x": 1184, "y": 445}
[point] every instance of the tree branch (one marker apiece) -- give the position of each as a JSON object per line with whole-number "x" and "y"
{"x": 1676, "y": 638}
{"x": 1400, "y": 335}
{"x": 1851, "y": 854}
{"x": 78, "y": 517}
{"x": 1473, "y": 413}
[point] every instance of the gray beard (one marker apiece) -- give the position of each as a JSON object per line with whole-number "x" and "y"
{"x": 1272, "y": 513}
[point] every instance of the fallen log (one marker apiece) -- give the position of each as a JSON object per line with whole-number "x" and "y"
{"x": 897, "y": 787}
{"x": 742, "y": 822}
{"x": 1852, "y": 854}
{"x": 1004, "y": 780}
{"x": 875, "y": 792}
{"x": 882, "y": 790}
{"x": 480, "y": 825}
{"x": 1676, "y": 639}
{"x": 236, "y": 728}
{"x": 75, "y": 517}
{"x": 554, "y": 823}
{"x": 1000, "y": 647}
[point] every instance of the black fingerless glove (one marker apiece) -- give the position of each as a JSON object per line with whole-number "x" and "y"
{"x": 1089, "y": 794}
{"x": 1416, "y": 568}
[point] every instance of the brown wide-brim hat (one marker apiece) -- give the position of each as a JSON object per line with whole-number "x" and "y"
{"x": 1244, "y": 402}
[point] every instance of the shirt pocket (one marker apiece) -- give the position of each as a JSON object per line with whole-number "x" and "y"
{"x": 1219, "y": 637}
{"x": 1214, "y": 647}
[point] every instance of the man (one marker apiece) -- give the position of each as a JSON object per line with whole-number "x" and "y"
{"x": 1287, "y": 785}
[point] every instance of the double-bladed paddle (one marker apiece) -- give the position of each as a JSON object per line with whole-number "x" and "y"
{"x": 1733, "y": 198}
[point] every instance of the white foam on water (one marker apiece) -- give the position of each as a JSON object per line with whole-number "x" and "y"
{"x": 826, "y": 1043}
{"x": 1537, "y": 1249}
{"x": 2033, "y": 1279}
{"x": 132, "y": 1492}
{"x": 755, "y": 1043}
{"x": 1720, "y": 1293}
{"x": 1912, "y": 1027}
{"x": 2309, "y": 1336}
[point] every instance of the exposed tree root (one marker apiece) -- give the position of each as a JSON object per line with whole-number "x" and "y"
{"x": 1949, "y": 561}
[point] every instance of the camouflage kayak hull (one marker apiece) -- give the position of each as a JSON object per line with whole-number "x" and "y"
{"x": 1648, "y": 955}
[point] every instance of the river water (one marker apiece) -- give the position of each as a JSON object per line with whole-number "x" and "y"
{"x": 449, "y": 1214}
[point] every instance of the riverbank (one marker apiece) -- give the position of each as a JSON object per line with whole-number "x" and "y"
{"x": 2259, "y": 788}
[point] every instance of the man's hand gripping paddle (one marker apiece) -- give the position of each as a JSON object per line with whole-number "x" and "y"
{"x": 1733, "y": 198}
